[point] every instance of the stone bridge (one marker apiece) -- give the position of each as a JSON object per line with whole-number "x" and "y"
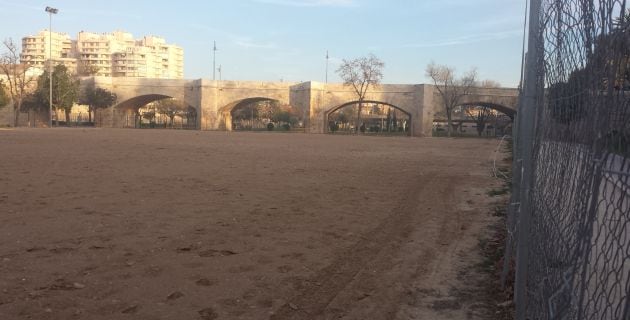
{"x": 214, "y": 100}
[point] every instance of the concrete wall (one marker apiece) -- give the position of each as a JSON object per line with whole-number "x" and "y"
{"x": 30, "y": 119}
{"x": 6, "y": 116}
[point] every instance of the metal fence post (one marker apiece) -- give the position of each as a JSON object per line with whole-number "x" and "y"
{"x": 526, "y": 137}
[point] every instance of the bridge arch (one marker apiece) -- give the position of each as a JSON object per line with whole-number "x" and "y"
{"x": 503, "y": 100}
{"x": 469, "y": 115}
{"x": 508, "y": 111}
{"x": 126, "y": 112}
{"x": 226, "y": 113}
{"x": 139, "y": 101}
{"x": 241, "y": 102}
{"x": 407, "y": 117}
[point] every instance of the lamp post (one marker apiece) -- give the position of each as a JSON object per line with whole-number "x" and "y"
{"x": 50, "y": 11}
{"x": 327, "y": 57}
{"x": 214, "y": 59}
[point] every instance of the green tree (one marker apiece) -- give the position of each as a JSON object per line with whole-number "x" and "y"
{"x": 286, "y": 114}
{"x": 616, "y": 48}
{"x": 96, "y": 98}
{"x": 65, "y": 90}
{"x": 281, "y": 116}
{"x": 34, "y": 102}
{"x": 606, "y": 70}
{"x": 4, "y": 97}
{"x": 343, "y": 116}
{"x": 451, "y": 88}
{"x": 361, "y": 74}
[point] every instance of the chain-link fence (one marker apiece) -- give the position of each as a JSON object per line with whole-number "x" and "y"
{"x": 569, "y": 220}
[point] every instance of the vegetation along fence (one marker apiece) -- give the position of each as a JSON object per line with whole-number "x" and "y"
{"x": 569, "y": 218}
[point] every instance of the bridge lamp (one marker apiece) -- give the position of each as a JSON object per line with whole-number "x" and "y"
{"x": 50, "y": 11}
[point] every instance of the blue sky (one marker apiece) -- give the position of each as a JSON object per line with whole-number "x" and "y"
{"x": 269, "y": 40}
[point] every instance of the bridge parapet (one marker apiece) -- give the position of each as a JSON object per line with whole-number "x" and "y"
{"x": 214, "y": 100}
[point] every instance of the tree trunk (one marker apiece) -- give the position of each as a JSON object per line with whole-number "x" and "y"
{"x": 480, "y": 127}
{"x": 90, "y": 110}
{"x": 449, "y": 122}
{"x": 16, "y": 115}
{"x": 67, "y": 113}
{"x": 359, "y": 116}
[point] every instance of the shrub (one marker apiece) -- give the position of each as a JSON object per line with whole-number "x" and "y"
{"x": 333, "y": 126}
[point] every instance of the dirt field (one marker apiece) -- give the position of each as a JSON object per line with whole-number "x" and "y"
{"x": 156, "y": 224}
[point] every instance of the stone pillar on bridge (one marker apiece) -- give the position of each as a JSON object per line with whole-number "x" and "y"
{"x": 423, "y": 125}
{"x": 300, "y": 98}
{"x": 207, "y": 104}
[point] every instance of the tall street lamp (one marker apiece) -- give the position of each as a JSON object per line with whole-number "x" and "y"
{"x": 214, "y": 58}
{"x": 50, "y": 11}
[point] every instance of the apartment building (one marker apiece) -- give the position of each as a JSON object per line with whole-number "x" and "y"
{"x": 115, "y": 54}
{"x": 36, "y": 50}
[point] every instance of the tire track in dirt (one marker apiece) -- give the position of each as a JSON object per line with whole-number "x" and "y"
{"x": 376, "y": 252}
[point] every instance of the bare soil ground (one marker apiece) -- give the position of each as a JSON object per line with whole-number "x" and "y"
{"x": 155, "y": 224}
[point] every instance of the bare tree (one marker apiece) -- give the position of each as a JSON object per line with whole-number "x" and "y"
{"x": 17, "y": 81}
{"x": 490, "y": 84}
{"x": 481, "y": 115}
{"x": 450, "y": 88}
{"x": 361, "y": 74}
{"x": 267, "y": 108}
{"x": 86, "y": 69}
{"x": 170, "y": 107}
